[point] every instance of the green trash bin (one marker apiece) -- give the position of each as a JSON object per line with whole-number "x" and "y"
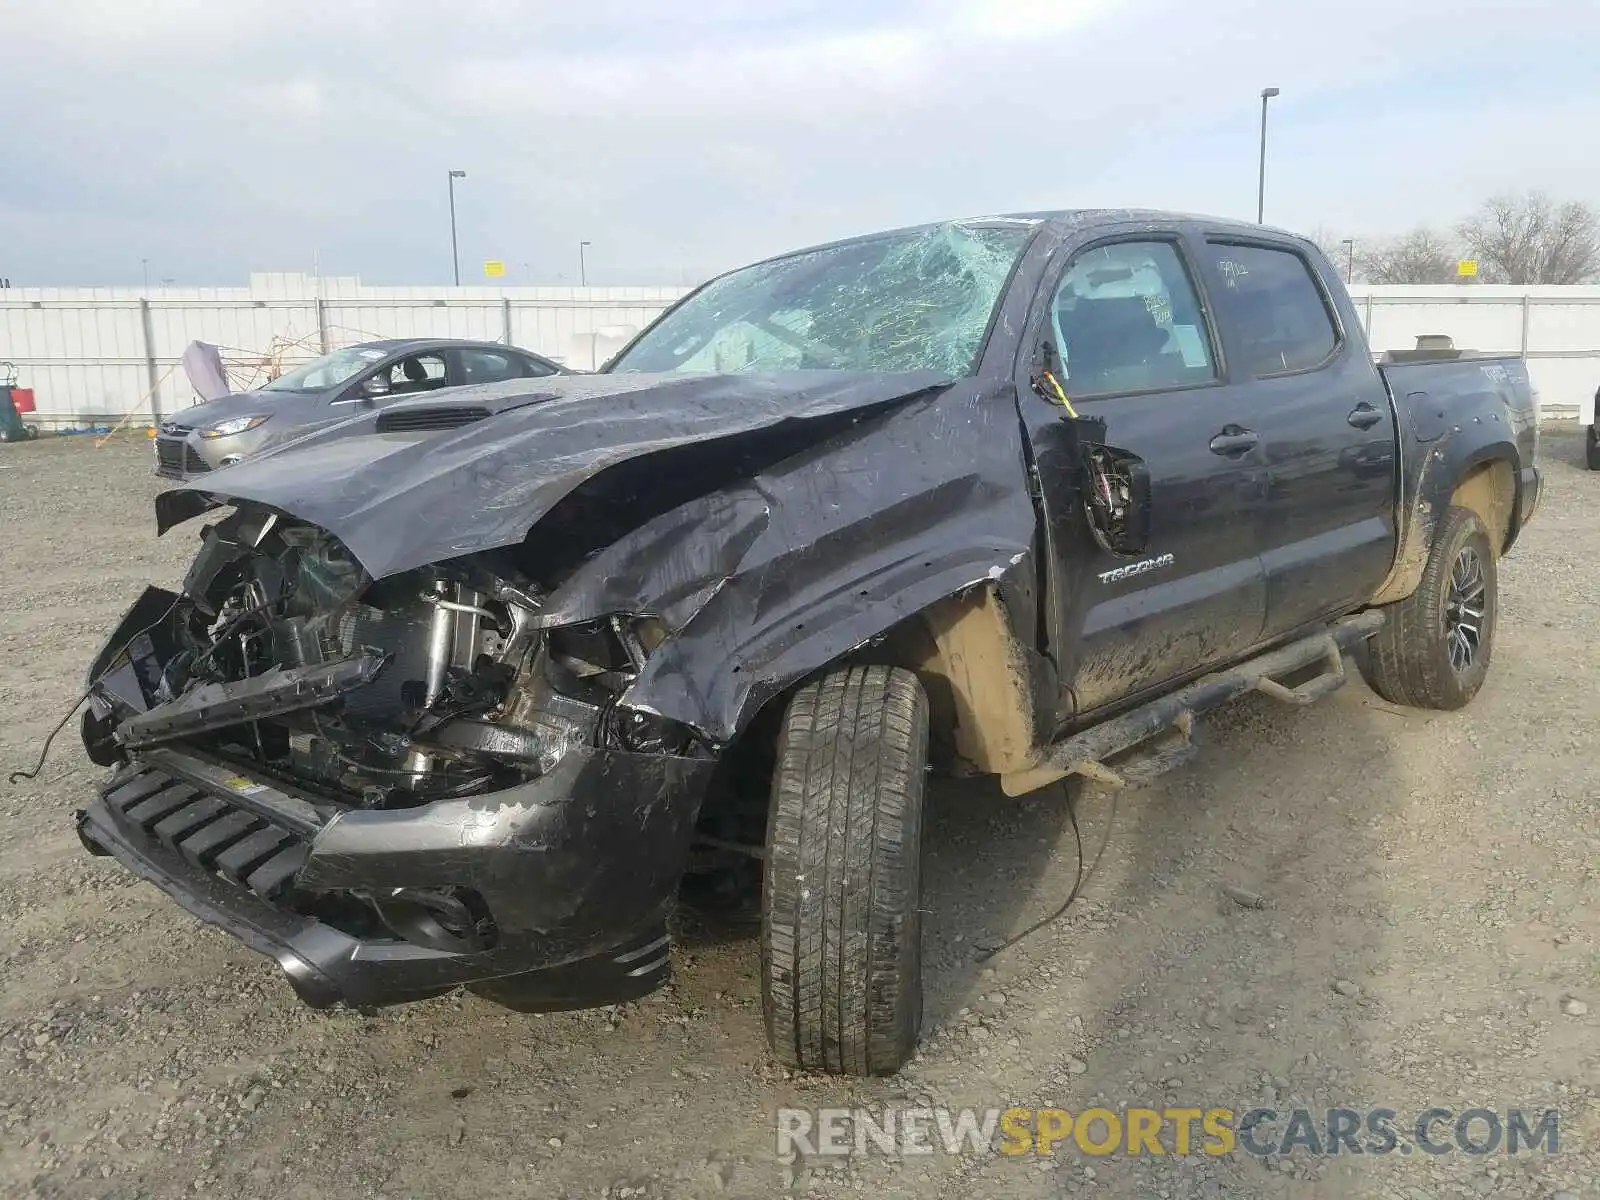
{"x": 12, "y": 426}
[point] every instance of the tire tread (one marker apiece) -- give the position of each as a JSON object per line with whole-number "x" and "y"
{"x": 841, "y": 975}
{"x": 1406, "y": 661}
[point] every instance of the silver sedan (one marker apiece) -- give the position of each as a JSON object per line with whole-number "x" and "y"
{"x": 220, "y": 432}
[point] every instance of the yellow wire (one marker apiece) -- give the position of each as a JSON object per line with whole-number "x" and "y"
{"x": 1065, "y": 403}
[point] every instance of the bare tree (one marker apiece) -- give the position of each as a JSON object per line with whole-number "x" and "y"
{"x": 1339, "y": 251}
{"x": 1421, "y": 256}
{"x": 1534, "y": 239}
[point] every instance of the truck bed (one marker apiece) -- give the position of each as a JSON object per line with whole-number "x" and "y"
{"x": 1452, "y": 413}
{"x": 1436, "y": 394}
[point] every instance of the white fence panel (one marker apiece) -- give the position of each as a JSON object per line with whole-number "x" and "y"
{"x": 91, "y": 354}
{"x": 1557, "y": 328}
{"x": 1494, "y": 326}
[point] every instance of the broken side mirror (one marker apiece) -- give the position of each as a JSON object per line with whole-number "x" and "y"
{"x": 1116, "y": 499}
{"x": 1134, "y": 538}
{"x": 1115, "y": 487}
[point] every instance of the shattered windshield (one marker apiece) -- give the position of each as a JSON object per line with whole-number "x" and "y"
{"x": 328, "y": 371}
{"x": 903, "y": 302}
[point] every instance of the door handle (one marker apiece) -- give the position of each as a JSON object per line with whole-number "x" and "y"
{"x": 1234, "y": 440}
{"x": 1364, "y": 416}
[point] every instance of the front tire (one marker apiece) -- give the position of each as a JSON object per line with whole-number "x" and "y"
{"x": 1591, "y": 448}
{"x": 841, "y": 939}
{"x": 1434, "y": 650}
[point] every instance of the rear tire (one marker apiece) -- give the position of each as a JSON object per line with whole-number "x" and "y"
{"x": 1591, "y": 448}
{"x": 841, "y": 938}
{"x": 1434, "y": 649}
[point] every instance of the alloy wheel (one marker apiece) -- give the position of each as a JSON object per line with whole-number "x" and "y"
{"x": 1466, "y": 607}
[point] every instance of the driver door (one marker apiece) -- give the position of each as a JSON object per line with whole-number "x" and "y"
{"x": 1129, "y": 331}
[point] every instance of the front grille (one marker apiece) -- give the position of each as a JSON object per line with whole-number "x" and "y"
{"x": 170, "y": 454}
{"x": 178, "y": 458}
{"x": 212, "y": 833}
{"x": 412, "y": 420}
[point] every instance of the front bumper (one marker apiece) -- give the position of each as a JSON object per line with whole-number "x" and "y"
{"x": 178, "y": 454}
{"x": 183, "y": 454}
{"x": 577, "y": 869}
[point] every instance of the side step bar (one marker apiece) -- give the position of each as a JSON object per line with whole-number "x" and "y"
{"x": 1156, "y": 736}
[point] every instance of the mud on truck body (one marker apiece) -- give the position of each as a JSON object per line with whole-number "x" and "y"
{"x": 457, "y": 694}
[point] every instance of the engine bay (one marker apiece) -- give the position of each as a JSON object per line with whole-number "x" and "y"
{"x": 283, "y": 655}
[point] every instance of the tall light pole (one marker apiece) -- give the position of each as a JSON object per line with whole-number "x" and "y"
{"x": 455, "y": 258}
{"x": 1261, "y": 178}
{"x": 144, "y": 264}
{"x": 583, "y": 271}
{"x": 1349, "y": 245}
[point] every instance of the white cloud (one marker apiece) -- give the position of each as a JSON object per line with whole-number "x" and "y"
{"x": 806, "y": 82}
{"x": 303, "y": 99}
{"x": 1022, "y": 20}
{"x": 223, "y": 137}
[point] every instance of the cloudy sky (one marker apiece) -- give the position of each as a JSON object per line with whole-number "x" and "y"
{"x": 217, "y": 137}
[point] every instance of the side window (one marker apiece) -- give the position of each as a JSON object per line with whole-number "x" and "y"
{"x": 489, "y": 366}
{"x": 418, "y": 373}
{"x": 1127, "y": 319}
{"x": 1273, "y": 301}
{"x": 534, "y": 368}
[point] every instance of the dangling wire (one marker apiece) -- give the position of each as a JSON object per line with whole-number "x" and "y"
{"x": 1081, "y": 882}
{"x": 1061, "y": 394}
{"x": 62, "y": 724}
{"x": 50, "y": 738}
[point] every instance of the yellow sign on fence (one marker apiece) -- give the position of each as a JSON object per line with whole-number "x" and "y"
{"x": 494, "y": 268}
{"x": 1467, "y": 268}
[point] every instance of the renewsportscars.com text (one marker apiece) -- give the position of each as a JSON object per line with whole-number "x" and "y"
{"x": 1138, "y": 1131}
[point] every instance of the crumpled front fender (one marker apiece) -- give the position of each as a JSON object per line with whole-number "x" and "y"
{"x": 765, "y": 582}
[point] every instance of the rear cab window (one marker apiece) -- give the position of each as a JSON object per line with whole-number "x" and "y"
{"x": 1275, "y": 306}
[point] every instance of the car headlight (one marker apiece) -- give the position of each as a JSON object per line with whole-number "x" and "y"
{"x": 236, "y": 425}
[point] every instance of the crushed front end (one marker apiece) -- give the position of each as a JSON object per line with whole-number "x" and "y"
{"x": 399, "y": 786}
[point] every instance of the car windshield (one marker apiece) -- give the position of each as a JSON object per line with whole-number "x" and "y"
{"x": 328, "y": 371}
{"x": 902, "y": 302}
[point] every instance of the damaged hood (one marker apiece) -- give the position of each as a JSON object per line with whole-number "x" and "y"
{"x": 401, "y": 500}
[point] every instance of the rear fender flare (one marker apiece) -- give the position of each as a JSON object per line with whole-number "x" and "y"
{"x": 1485, "y": 479}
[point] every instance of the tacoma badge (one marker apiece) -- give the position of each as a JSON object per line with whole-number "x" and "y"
{"x": 1138, "y": 568}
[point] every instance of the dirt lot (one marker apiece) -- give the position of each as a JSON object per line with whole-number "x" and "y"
{"x": 1442, "y": 870}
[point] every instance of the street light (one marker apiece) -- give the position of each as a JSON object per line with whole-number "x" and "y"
{"x": 1349, "y": 245}
{"x": 1261, "y": 179}
{"x": 455, "y": 258}
{"x": 583, "y": 271}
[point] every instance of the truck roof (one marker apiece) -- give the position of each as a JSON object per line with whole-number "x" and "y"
{"x": 1063, "y": 218}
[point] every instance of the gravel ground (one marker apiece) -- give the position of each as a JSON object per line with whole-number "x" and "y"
{"x": 1429, "y": 933}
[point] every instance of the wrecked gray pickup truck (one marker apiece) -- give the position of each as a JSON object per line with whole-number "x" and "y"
{"x": 459, "y": 693}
